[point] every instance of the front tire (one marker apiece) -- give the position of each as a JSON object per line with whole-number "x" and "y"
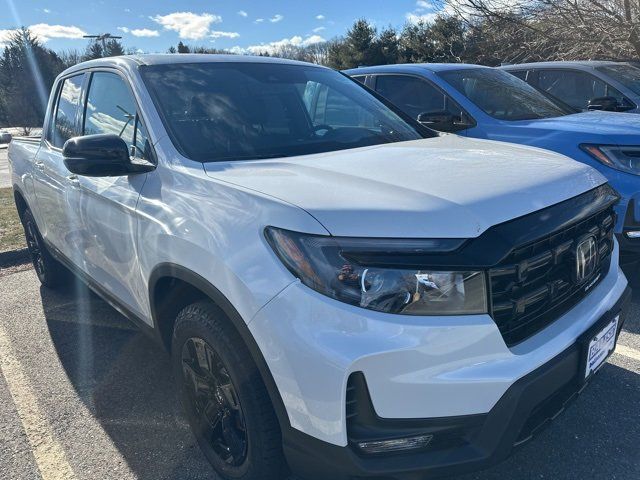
{"x": 226, "y": 402}
{"x": 51, "y": 273}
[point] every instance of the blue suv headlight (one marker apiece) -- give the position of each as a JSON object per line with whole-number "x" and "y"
{"x": 620, "y": 157}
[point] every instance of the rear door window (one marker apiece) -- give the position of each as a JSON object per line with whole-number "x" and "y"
{"x": 65, "y": 122}
{"x": 414, "y": 96}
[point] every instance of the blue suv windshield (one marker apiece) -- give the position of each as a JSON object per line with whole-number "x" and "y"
{"x": 502, "y": 95}
{"x": 219, "y": 111}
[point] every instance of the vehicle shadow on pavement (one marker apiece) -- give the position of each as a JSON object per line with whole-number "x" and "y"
{"x": 597, "y": 436}
{"x": 125, "y": 381}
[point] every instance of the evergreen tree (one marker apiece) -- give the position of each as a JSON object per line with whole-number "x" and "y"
{"x": 94, "y": 50}
{"x": 27, "y": 72}
{"x": 113, "y": 48}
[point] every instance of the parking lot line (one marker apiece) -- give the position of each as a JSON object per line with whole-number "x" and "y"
{"x": 48, "y": 453}
{"x": 628, "y": 352}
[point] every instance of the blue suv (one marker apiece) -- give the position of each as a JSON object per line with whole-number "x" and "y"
{"x": 489, "y": 103}
{"x": 586, "y": 85}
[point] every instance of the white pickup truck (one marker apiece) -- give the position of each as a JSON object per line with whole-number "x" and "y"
{"x": 344, "y": 293}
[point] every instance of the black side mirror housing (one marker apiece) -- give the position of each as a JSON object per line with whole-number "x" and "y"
{"x": 103, "y": 155}
{"x": 608, "y": 104}
{"x": 442, "y": 121}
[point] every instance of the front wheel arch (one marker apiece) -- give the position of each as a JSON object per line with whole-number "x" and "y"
{"x": 173, "y": 287}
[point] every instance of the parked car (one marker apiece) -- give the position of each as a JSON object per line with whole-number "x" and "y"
{"x": 344, "y": 292}
{"x": 483, "y": 102}
{"x": 5, "y": 137}
{"x": 587, "y": 85}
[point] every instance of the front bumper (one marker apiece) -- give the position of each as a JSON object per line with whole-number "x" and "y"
{"x": 460, "y": 444}
{"x": 415, "y": 367}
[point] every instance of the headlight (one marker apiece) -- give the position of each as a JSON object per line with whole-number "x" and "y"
{"x": 624, "y": 158}
{"x": 363, "y": 272}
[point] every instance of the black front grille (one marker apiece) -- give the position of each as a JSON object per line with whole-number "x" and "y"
{"x": 535, "y": 284}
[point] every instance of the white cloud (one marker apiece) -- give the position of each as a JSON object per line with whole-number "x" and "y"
{"x": 46, "y": 10}
{"x": 421, "y": 18}
{"x": 423, "y": 5}
{"x": 189, "y": 25}
{"x": 259, "y": 20}
{"x": 219, "y": 34}
{"x": 318, "y": 29}
{"x": 312, "y": 39}
{"x": 273, "y": 47}
{"x": 242, "y": 13}
{"x": 144, "y": 32}
{"x": 320, "y": 17}
{"x": 276, "y": 18}
{"x": 46, "y": 32}
{"x": 127, "y": 10}
{"x": 5, "y": 36}
{"x": 124, "y": 29}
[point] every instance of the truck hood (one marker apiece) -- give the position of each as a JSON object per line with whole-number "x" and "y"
{"x": 595, "y": 127}
{"x": 444, "y": 187}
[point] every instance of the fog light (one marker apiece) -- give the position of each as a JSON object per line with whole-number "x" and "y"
{"x": 633, "y": 234}
{"x": 395, "y": 445}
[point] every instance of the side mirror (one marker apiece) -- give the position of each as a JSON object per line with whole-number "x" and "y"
{"x": 609, "y": 104}
{"x": 442, "y": 121}
{"x": 104, "y": 155}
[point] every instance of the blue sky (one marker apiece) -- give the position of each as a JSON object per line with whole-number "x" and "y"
{"x": 243, "y": 25}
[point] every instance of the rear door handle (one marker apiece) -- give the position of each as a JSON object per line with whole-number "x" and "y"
{"x": 40, "y": 166}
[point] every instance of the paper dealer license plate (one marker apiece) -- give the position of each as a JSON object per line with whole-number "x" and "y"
{"x": 601, "y": 346}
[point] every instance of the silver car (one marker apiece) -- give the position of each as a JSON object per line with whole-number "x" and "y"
{"x": 5, "y": 137}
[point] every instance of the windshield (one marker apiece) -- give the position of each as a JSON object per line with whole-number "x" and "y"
{"x": 625, "y": 74}
{"x": 234, "y": 111}
{"x": 502, "y": 95}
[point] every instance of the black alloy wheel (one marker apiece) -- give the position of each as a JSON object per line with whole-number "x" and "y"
{"x": 34, "y": 246}
{"x": 51, "y": 273}
{"x": 214, "y": 398}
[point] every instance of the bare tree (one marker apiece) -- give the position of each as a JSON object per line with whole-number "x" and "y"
{"x": 563, "y": 29}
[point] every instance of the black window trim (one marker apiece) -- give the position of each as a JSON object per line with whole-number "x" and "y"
{"x": 374, "y": 80}
{"x": 125, "y": 79}
{"x": 48, "y": 128}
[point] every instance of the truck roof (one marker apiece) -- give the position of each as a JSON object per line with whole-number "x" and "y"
{"x": 173, "y": 58}
{"x": 561, "y": 64}
{"x": 412, "y": 67}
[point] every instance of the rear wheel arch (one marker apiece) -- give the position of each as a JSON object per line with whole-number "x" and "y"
{"x": 20, "y": 201}
{"x": 172, "y": 287}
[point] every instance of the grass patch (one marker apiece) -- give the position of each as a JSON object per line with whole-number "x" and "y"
{"x": 11, "y": 233}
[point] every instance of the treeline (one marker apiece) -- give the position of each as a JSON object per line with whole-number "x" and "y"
{"x": 27, "y": 72}
{"x": 487, "y": 32}
{"x": 447, "y": 38}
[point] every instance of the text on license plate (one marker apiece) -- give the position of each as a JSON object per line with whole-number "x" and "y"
{"x": 601, "y": 346}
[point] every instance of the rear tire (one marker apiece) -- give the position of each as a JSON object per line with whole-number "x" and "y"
{"x": 224, "y": 397}
{"x": 51, "y": 273}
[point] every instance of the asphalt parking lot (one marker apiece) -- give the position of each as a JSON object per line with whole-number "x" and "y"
{"x": 84, "y": 395}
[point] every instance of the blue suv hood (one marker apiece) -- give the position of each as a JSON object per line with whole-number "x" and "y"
{"x": 616, "y": 127}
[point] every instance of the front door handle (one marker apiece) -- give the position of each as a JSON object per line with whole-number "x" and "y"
{"x": 73, "y": 180}
{"x": 40, "y": 166}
